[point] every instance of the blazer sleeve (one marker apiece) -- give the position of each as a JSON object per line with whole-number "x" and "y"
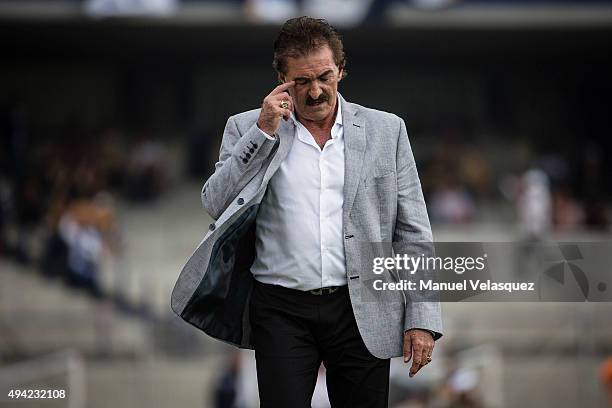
{"x": 413, "y": 234}
{"x": 240, "y": 158}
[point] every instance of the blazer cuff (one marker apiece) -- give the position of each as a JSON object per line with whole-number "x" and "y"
{"x": 424, "y": 316}
{"x": 253, "y": 144}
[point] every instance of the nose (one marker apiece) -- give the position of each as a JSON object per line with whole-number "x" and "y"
{"x": 315, "y": 90}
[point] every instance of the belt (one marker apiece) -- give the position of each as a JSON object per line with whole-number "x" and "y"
{"x": 324, "y": 291}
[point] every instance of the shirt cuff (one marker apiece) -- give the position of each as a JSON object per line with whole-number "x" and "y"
{"x": 265, "y": 134}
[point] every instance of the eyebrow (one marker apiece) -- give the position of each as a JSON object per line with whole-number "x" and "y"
{"x": 308, "y": 79}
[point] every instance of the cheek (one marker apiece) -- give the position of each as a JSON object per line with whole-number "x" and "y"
{"x": 330, "y": 89}
{"x": 301, "y": 96}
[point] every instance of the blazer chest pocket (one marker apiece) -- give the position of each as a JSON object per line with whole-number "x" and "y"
{"x": 381, "y": 183}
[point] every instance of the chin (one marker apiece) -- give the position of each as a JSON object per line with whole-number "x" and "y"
{"x": 315, "y": 113}
{"x": 320, "y": 110}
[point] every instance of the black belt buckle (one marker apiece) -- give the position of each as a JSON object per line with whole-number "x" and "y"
{"x": 324, "y": 291}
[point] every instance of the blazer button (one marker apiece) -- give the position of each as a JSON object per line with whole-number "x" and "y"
{"x": 240, "y": 201}
{"x": 212, "y": 227}
{"x": 244, "y": 161}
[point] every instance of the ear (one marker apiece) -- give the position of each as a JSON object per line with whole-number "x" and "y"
{"x": 340, "y": 72}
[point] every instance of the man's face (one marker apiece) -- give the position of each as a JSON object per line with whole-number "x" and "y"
{"x": 316, "y": 79}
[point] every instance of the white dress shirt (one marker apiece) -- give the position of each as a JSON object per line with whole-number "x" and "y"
{"x": 299, "y": 241}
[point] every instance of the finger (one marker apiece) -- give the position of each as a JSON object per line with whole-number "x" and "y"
{"x": 285, "y": 113}
{"x": 417, "y": 357}
{"x": 278, "y": 98}
{"x": 415, "y": 368}
{"x": 407, "y": 348}
{"x": 273, "y": 103}
{"x": 426, "y": 353}
{"x": 289, "y": 99}
{"x": 417, "y": 352}
{"x": 282, "y": 87}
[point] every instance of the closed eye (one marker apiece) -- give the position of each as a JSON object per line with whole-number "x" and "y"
{"x": 324, "y": 77}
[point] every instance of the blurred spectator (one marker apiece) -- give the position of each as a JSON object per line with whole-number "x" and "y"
{"x": 556, "y": 167}
{"x": 567, "y": 211}
{"x": 451, "y": 203}
{"x": 534, "y": 205}
{"x": 475, "y": 170}
{"x": 457, "y": 177}
{"x": 145, "y": 178}
{"x": 112, "y": 152}
{"x": 340, "y": 13}
{"x": 271, "y": 11}
{"x": 226, "y": 389}
{"x": 86, "y": 230}
{"x": 462, "y": 388}
{"x": 108, "y": 8}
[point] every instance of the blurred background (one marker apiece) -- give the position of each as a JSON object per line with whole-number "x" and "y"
{"x": 111, "y": 114}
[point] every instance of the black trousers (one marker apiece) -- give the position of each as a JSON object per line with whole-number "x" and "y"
{"x": 294, "y": 331}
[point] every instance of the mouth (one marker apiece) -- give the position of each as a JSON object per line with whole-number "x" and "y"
{"x": 315, "y": 104}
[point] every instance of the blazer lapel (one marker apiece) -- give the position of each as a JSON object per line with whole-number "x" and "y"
{"x": 354, "y": 152}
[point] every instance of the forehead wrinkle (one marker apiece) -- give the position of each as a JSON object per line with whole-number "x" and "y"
{"x": 304, "y": 66}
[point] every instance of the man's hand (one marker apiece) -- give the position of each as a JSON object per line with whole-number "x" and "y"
{"x": 419, "y": 345}
{"x": 272, "y": 111}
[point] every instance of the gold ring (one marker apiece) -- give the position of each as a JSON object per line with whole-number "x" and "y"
{"x": 284, "y": 104}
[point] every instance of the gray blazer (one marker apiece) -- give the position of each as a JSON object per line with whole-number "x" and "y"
{"x": 383, "y": 202}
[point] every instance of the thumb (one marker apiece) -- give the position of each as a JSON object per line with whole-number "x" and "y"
{"x": 407, "y": 347}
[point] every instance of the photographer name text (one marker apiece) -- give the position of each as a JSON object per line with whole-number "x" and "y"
{"x": 466, "y": 284}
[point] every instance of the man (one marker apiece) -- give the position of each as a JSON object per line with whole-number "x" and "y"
{"x": 300, "y": 185}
